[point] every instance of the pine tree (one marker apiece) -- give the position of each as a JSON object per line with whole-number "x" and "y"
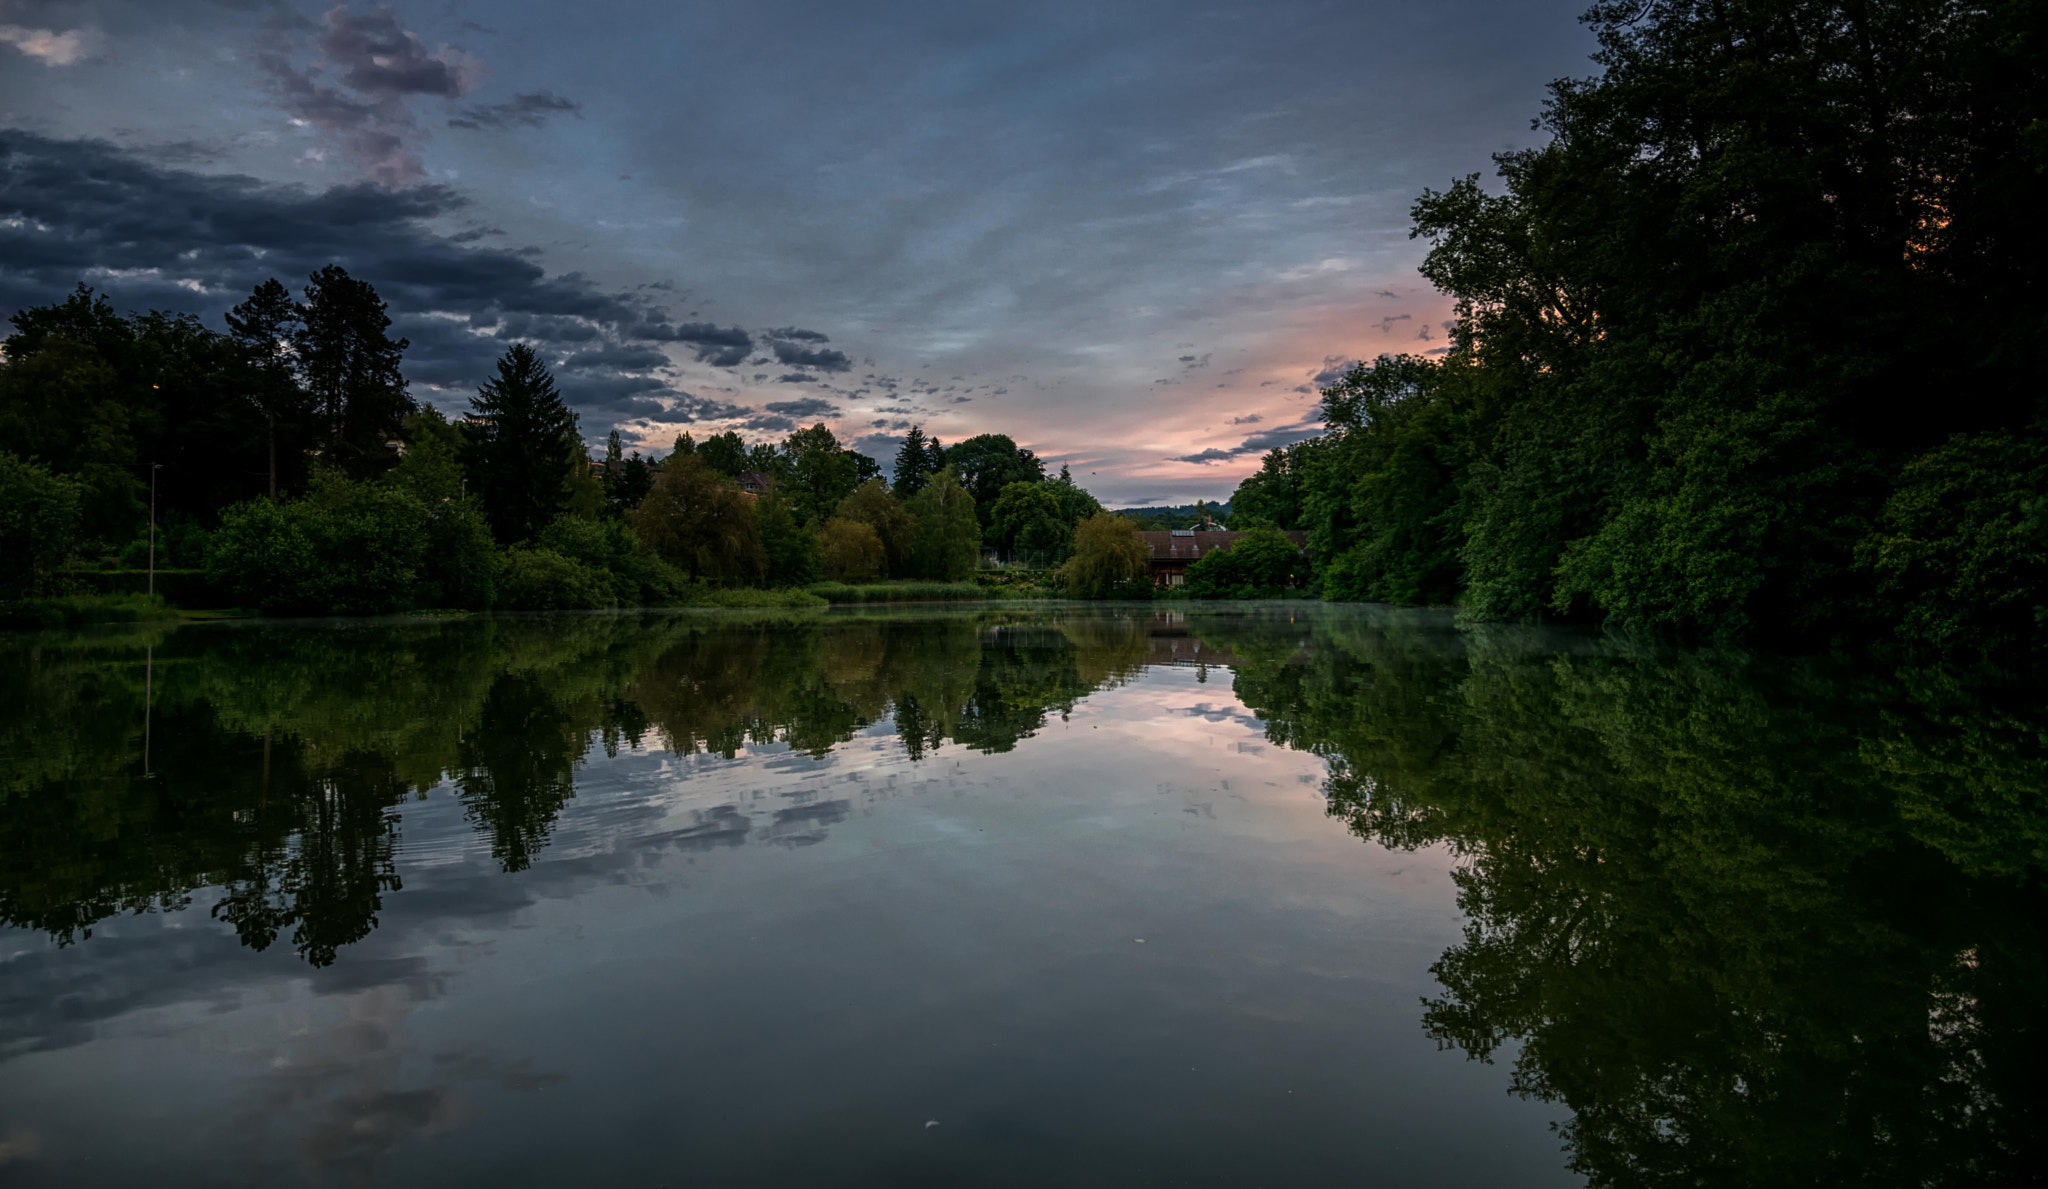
{"x": 350, "y": 366}
{"x": 515, "y": 451}
{"x": 913, "y": 465}
{"x": 265, "y": 329}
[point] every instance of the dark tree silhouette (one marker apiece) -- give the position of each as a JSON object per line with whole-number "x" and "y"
{"x": 518, "y": 425}
{"x": 350, "y": 366}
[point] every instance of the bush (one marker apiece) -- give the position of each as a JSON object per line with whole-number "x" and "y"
{"x": 39, "y": 516}
{"x": 348, "y": 548}
{"x": 262, "y": 557}
{"x": 850, "y": 550}
{"x": 636, "y": 577}
{"x": 541, "y": 579}
{"x": 1260, "y": 564}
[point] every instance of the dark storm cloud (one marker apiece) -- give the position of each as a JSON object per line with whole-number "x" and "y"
{"x": 825, "y": 359}
{"x": 809, "y": 408}
{"x": 797, "y": 334}
{"x": 721, "y": 346}
{"x": 795, "y": 378}
{"x": 769, "y": 423}
{"x": 1257, "y": 443}
{"x": 530, "y": 110}
{"x": 151, "y": 236}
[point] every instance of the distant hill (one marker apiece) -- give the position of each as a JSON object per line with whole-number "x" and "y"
{"x": 1181, "y": 516}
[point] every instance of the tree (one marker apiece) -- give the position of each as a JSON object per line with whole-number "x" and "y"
{"x": 1110, "y": 559}
{"x": 913, "y": 464}
{"x": 350, "y": 367}
{"x": 819, "y": 472}
{"x": 850, "y": 550}
{"x": 38, "y": 525}
{"x": 724, "y": 453}
{"x": 1027, "y": 522}
{"x": 696, "y": 519}
{"x": 791, "y": 549}
{"x": 1260, "y": 563}
{"x": 988, "y": 463}
{"x": 946, "y": 537}
{"x": 459, "y": 566}
{"x": 266, "y": 329}
{"x": 873, "y": 504}
{"x": 515, "y": 450}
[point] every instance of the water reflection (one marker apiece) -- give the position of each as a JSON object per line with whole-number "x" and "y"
{"x": 1750, "y": 920}
{"x": 269, "y": 765}
{"x": 1753, "y": 922}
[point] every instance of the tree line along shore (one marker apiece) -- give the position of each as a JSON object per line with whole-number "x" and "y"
{"x": 1753, "y": 347}
{"x": 298, "y": 476}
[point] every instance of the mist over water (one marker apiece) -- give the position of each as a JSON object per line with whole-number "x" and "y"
{"x": 1023, "y": 896}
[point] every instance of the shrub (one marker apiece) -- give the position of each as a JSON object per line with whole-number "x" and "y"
{"x": 1260, "y": 564}
{"x": 541, "y": 579}
{"x": 39, "y": 517}
{"x": 850, "y": 550}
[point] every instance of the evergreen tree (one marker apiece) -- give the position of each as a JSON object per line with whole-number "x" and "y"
{"x": 913, "y": 464}
{"x": 266, "y": 328}
{"x": 350, "y": 366}
{"x": 518, "y": 425}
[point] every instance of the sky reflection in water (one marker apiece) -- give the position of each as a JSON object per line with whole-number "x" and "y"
{"x": 1006, "y": 897}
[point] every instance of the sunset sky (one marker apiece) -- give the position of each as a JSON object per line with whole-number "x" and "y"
{"x": 1130, "y": 235}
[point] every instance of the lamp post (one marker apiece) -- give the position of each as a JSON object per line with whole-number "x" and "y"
{"x": 153, "y": 469}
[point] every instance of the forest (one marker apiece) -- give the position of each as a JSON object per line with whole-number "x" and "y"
{"x": 1750, "y": 347}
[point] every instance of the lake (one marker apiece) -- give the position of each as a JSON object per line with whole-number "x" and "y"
{"x": 1235, "y": 894}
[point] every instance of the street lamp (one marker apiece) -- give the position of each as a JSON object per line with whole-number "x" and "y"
{"x": 153, "y": 469}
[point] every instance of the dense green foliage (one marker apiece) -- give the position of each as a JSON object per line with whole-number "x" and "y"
{"x": 38, "y": 525}
{"x": 1728, "y": 347}
{"x": 297, "y": 473}
{"x": 1262, "y": 564}
{"x": 1110, "y": 560}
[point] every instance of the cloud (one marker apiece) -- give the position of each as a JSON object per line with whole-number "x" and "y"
{"x": 156, "y": 236}
{"x": 720, "y": 346}
{"x": 1334, "y": 368}
{"x": 530, "y": 110}
{"x": 375, "y": 64}
{"x": 809, "y": 408}
{"x": 1247, "y": 419}
{"x": 1387, "y": 323}
{"x": 797, "y": 334}
{"x": 50, "y": 47}
{"x": 795, "y": 378}
{"x": 825, "y": 359}
{"x": 1257, "y": 443}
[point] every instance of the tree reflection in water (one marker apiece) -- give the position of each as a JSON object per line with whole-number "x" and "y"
{"x": 1752, "y": 921}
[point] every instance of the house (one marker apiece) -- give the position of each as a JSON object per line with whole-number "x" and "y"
{"x": 1175, "y": 550}
{"x": 755, "y": 483}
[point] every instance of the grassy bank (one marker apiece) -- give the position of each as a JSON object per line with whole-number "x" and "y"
{"x": 899, "y": 592}
{"x": 762, "y": 599}
{"x": 69, "y": 611}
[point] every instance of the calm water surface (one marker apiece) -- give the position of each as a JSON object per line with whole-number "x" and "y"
{"x": 1058, "y": 896}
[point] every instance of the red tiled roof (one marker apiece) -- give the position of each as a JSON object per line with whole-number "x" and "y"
{"x": 1183, "y": 546}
